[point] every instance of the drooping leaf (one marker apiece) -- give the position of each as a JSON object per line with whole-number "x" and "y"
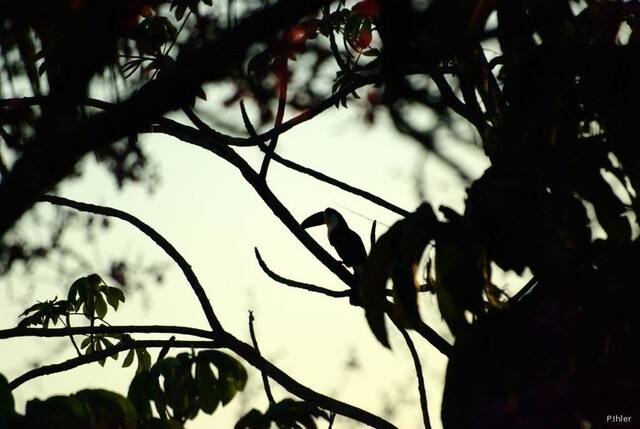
{"x": 376, "y": 273}
{"x": 418, "y": 229}
{"x": 7, "y": 403}
{"x": 208, "y": 387}
{"x": 395, "y": 256}
{"x": 232, "y": 376}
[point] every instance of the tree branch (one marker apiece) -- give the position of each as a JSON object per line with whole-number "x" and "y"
{"x": 341, "y": 185}
{"x": 103, "y": 354}
{"x": 297, "y": 284}
{"x": 109, "y": 330}
{"x": 419, "y": 375}
{"x": 162, "y": 242}
{"x": 265, "y": 379}
{"x": 282, "y": 77}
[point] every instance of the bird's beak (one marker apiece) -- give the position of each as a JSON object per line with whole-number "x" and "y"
{"x": 313, "y": 220}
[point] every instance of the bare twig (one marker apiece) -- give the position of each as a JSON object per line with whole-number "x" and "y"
{"x": 342, "y": 185}
{"x": 419, "y": 375}
{"x": 372, "y": 235}
{"x": 248, "y": 125}
{"x": 282, "y": 77}
{"x": 297, "y": 284}
{"x": 265, "y": 379}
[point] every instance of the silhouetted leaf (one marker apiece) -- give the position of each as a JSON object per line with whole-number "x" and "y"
{"x": 109, "y": 409}
{"x": 208, "y": 387}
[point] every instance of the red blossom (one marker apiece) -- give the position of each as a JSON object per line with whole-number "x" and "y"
{"x": 363, "y": 40}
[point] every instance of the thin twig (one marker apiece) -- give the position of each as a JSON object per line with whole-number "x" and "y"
{"x": 164, "y": 244}
{"x": 341, "y": 185}
{"x": 282, "y": 77}
{"x": 372, "y": 235}
{"x": 297, "y": 284}
{"x": 419, "y": 375}
{"x": 265, "y": 379}
{"x": 247, "y": 123}
{"x": 426, "y": 332}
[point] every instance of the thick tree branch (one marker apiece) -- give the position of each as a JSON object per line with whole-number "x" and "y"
{"x": 52, "y": 157}
{"x": 164, "y": 244}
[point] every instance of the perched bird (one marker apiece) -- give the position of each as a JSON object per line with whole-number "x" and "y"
{"x": 347, "y": 243}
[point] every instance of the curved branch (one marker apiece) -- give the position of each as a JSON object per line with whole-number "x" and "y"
{"x": 191, "y": 277}
{"x": 282, "y": 77}
{"x": 419, "y": 375}
{"x": 103, "y": 354}
{"x": 297, "y": 284}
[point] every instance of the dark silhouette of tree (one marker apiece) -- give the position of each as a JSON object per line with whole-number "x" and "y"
{"x": 551, "y": 89}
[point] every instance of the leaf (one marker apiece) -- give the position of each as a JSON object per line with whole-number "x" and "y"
{"x": 85, "y": 343}
{"x": 109, "y": 344}
{"x": 232, "y": 375}
{"x": 201, "y": 94}
{"x": 462, "y": 271}
{"x": 376, "y": 274}
{"x": 418, "y": 229}
{"x": 100, "y": 306}
{"x": 254, "y": 419}
{"x": 144, "y": 360}
{"x": 208, "y": 387}
{"x": 128, "y": 359}
{"x": 7, "y": 403}
{"x": 114, "y": 296}
{"x": 180, "y": 10}
{"x": 138, "y": 394}
{"x": 396, "y": 255}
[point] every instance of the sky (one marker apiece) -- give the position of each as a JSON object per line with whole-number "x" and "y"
{"x": 213, "y": 217}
